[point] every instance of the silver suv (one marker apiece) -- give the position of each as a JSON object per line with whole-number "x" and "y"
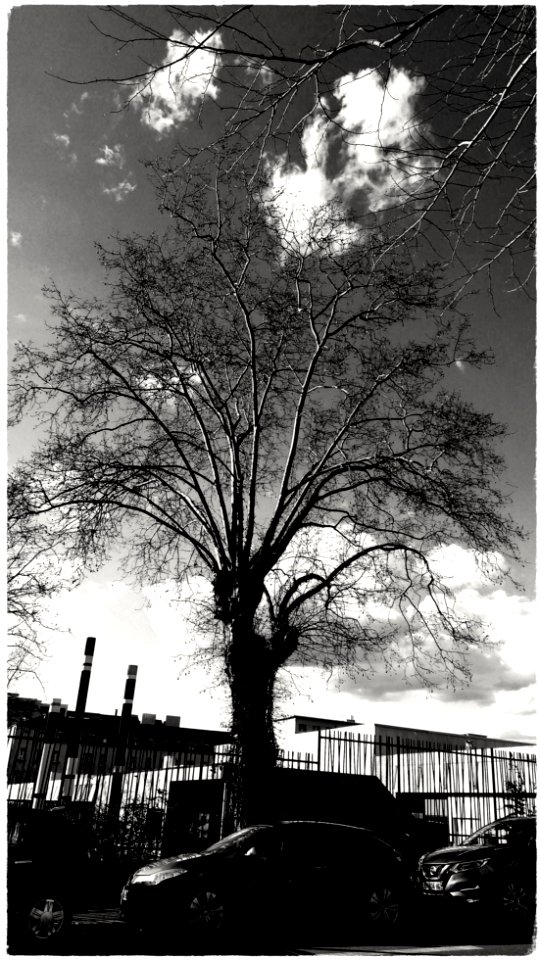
{"x": 496, "y": 866}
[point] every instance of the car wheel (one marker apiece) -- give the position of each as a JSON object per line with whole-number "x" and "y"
{"x": 384, "y": 907}
{"x": 206, "y": 912}
{"x": 516, "y": 899}
{"x": 46, "y": 918}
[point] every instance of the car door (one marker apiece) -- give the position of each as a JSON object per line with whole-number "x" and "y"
{"x": 314, "y": 871}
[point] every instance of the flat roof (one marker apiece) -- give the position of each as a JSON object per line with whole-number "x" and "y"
{"x": 341, "y": 723}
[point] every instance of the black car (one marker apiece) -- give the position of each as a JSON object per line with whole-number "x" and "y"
{"x": 272, "y": 882}
{"x": 47, "y": 867}
{"x": 495, "y": 866}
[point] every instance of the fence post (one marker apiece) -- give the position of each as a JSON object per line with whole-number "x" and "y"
{"x": 494, "y": 785}
{"x": 50, "y": 740}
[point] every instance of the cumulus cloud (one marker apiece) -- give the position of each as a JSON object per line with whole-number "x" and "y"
{"x": 120, "y": 191}
{"x": 21, "y": 318}
{"x": 171, "y": 386}
{"x": 257, "y": 72}
{"x": 62, "y": 139}
{"x": 64, "y": 142}
{"x": 299, "y": 198}
{"x": 367, "y": 152}
{"x": 15, "y": 238}
{"x": 382, "y": 131}
{"x": 314, "y": 694}
{"x": 177, "y": 90}
{"x": 76, "y": 107}
{"x": 111, "y": 156}
{"x": 502, "y": 686}
{"x": 151, "y": 628}
{"x": 499, "y": 698}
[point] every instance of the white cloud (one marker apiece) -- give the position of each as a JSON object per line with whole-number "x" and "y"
{"x": 177, "y": 90}
{"x": 510, "y": 716}
{"x": 500, "y": 698}
{"x": 112, "y": 156}
{"x": 131, "y": 627}
{"x": 76, "y": 106}
{"x": 299, "y": 197}
{"x": 120, "y": 191}
{"x": 172, "y": 385}
{"x": 461, "y": 569}
{"x": 21, "y": 318}
{"x": 257, "y": 72}
{"x": 372, "y": 139}
{"x": 381, "y": 134}
{"x": 150, "y": 628}
{"x": 62, "y": 139}
{"x": 15, "y": 238}
{"x": 64, "y": 142}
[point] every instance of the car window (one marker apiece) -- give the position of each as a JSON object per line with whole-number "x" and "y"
{"x": 503, "y": 834}
{"x": 16, "y": 832}
{"x": 318, "y": 844}
{"x": 267, "y": 845}
{"x": 240, "y": 841}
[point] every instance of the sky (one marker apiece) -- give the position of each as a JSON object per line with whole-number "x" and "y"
{"x": 75, "y": 177}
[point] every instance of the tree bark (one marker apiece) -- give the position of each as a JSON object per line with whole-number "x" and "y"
{"x": 251, "y": 672}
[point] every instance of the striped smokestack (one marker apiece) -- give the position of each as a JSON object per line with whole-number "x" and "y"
{"x": 76, "y": 725}
{"x": 84, "y": 682}
{"x": 115, "y": 797}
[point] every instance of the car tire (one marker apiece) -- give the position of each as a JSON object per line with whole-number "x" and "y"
{"x": 206, "y": 917}
{"x": 384, "y": 910}
{"x": 385, "y": 906}
{"x": 516, "y": 900}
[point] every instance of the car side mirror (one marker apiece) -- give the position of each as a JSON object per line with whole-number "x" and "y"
{"x": 252, "y": 852}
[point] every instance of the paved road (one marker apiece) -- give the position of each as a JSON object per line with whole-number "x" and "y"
{"x": 100, "y": 932}
{"x": 433, "y": 950}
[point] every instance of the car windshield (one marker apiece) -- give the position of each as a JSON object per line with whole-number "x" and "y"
{"x": 500, "y": 833}
{"x": 237, "y": 841}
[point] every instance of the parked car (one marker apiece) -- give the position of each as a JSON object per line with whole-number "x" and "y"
{"x": 47, "y": 867}
{"x": 495, "y": 866}
{"x": 272, "y": 882}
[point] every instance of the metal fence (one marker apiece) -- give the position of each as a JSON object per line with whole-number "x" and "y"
{"x": 41, "y": 770}
{"x": 467, "y": 787}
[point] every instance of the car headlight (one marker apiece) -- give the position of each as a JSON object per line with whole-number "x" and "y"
{"x": 152, "y": 879}
{"x": 467, "y": 865}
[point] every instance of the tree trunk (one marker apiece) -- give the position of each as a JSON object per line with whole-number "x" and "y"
{"x": 250, "y": 782}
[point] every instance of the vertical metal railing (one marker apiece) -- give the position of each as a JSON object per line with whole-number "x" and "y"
{"x": 468, "y": 785}
{"x": 472, "y": 785}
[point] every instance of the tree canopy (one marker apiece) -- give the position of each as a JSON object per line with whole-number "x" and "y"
{"x": 40, "y": 563}
{"x": 273, "y": 412}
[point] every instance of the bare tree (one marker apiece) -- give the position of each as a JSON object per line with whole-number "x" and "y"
{"x": 273, "y": 414}
{"x": 38, "y": 567}
{"x": 460, "y": 170}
